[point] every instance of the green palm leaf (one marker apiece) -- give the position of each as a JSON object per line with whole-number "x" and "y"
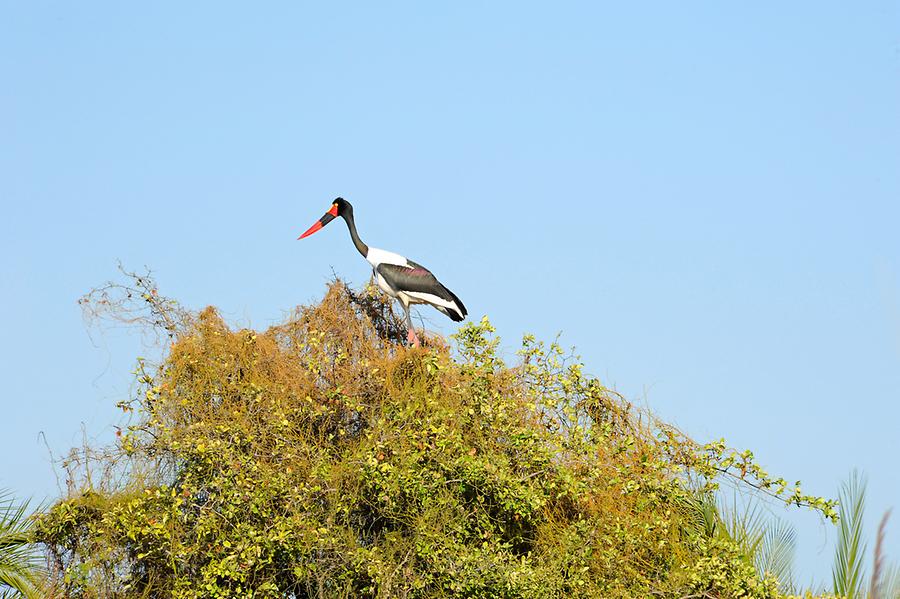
{"x": 18, "y": 561}
{"x": 746, "y": 525}
{"x": 775, "y": 554}
{"x": 847, "y": 571}
{"x": 889, "y": 584}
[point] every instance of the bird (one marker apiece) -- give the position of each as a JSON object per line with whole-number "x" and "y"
{"x": 399, "y": 277}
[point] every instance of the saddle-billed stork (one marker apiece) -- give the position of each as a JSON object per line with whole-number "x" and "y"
{"x": 397, "y": 276}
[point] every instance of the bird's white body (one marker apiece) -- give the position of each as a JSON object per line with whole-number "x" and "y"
{"x": 376, "y": 256}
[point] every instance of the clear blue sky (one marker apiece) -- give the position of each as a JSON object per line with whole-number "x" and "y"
{"x": 703, "y": 197}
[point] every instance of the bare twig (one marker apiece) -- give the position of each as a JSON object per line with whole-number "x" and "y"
{"x": 135, "y": 302}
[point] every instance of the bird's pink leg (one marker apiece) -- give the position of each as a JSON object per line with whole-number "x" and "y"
{"x": 411, "y": 335}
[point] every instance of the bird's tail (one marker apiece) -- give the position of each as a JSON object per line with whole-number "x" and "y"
{"x": 453, "y": 314}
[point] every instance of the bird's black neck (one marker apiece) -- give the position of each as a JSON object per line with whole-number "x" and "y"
{"x": 362, "y": 247}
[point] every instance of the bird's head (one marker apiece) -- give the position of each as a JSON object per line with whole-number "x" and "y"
{"x": 340, "y": 207}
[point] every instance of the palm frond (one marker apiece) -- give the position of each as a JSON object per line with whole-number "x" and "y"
{"x": 702, "y": 513}
{"x": 744, "y": 523}
{"x": 889, "y": 582}
{"x": 847, "y": 570}
{"x": 775, "y": 554}
{"x": 19, "y": 566}
{"x": 767, "y": 541}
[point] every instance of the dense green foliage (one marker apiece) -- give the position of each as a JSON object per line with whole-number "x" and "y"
{"x": 320, "y": 458}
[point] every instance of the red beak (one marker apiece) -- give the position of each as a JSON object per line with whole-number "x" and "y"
{"x": 327, "y": 218}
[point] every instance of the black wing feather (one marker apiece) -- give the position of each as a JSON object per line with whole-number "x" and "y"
{"x": 417, "y": 278}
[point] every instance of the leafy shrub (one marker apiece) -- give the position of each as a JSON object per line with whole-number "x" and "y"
{"x": 322, "y": 458}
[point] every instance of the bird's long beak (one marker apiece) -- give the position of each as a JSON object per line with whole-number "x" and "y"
{"x": 329, "y": 216}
